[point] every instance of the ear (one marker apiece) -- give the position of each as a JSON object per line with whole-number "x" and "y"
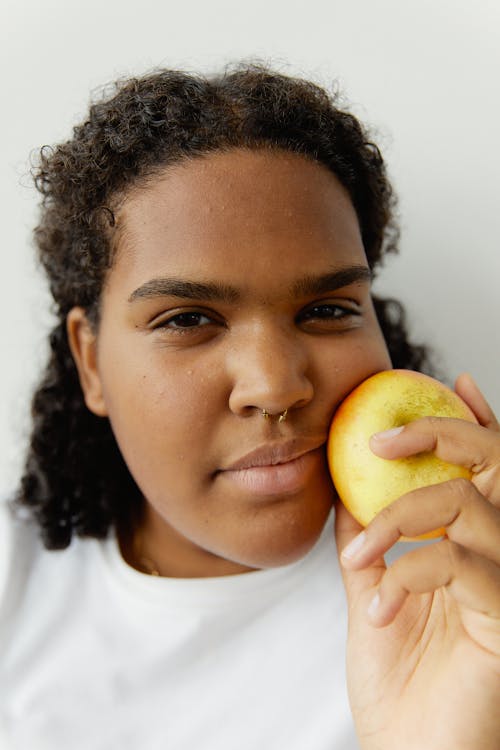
{"x": 83, "y": 345}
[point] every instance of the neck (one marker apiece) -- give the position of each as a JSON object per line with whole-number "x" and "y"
{"x": 155, "y": 547}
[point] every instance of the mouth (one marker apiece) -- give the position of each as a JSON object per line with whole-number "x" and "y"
{"x": 276, "y": 469}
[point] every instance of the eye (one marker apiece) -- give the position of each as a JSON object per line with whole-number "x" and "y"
{"x": 185, "y": 320}
{"x": 329, "y": 312}
{"x": 325, "y": 312}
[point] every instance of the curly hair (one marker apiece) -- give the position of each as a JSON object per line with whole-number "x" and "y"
{"x": 75, "y": 479}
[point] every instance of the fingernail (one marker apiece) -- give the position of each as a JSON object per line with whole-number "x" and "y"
{"x": 373, "y": 606}
{"x": 388, "y": 434}
{"x": 352, "y": 549}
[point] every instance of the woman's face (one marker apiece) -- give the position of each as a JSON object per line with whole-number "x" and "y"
{"x": 240, "y": 285}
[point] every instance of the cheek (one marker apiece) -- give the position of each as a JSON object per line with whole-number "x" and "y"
{"x": 349, "y": 364}
{"x": 371, "y": 355}
{"x": 160, "y": 415}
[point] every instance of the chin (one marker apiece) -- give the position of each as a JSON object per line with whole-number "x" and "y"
{"x": 280, "y": 537}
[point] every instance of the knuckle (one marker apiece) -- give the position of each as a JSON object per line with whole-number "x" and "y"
{"x": 463, "y": 489}
{"x": 433, "y": 423}
{"x": 387, "y": 514}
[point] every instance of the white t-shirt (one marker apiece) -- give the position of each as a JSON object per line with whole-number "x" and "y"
{"x": 97, "y": 656}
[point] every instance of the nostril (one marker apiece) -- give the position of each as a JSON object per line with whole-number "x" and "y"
{"x": 269, "y": 405}
{"x": 269, "y": 378}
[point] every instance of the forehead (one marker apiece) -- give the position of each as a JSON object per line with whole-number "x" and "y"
{"x": 244, "y": 207}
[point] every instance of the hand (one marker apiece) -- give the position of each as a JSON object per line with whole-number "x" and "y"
{"x": 424, "y": 634}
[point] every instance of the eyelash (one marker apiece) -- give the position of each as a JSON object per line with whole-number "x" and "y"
{"x": 316, "y": 312}
{"x": 193, "y": 314}
{"x": 325, "y": 313}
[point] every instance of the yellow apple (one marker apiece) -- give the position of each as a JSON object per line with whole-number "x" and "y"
{"x": 367, "y": 483}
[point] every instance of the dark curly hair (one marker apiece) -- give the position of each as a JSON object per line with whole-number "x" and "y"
{"x": 75, "y": 479}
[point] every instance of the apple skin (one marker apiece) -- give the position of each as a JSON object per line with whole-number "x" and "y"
{"x": 367, "y": 483}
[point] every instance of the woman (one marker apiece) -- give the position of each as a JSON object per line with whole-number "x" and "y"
{"x": 210, "y": 246}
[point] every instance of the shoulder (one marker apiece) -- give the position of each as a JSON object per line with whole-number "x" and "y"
{"x": 19, "y": 544}
{"x": 36, "y": 579}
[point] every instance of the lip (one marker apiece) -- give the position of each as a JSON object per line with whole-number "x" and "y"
{"x": 276, "y": 468}
{"x": 272, "y": 454}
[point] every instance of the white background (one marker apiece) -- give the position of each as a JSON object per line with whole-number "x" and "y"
{"x": 424, "y": 73}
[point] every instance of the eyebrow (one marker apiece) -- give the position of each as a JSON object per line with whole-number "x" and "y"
{"x": 330, "y": 282}
{"x": 217, "y": 292}
{"x": 168, "y": 287}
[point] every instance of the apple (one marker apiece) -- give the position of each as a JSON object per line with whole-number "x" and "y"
{"x": 367, "y": 483}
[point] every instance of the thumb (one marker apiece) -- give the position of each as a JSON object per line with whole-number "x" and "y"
{"x": 359, "y": 584}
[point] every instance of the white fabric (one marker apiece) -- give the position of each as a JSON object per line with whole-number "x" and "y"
{"x": 97, "y": 656}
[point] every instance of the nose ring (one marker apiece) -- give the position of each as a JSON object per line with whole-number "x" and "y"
{"x": 281, "y": 417}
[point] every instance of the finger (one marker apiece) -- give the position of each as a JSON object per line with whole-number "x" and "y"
{"x": 452, "y": 440}
{"x": 346, "y": 526}
{"x": 472, "y": 580}
{"x": 356, "y": 583}
{"x": 468, "y": 390}
{"x": 469, "y": 519}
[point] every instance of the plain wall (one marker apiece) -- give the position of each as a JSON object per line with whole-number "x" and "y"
{"x": 424, "y": 74}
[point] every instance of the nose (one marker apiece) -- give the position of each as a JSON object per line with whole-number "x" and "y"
{"x": 270, "y": 371}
